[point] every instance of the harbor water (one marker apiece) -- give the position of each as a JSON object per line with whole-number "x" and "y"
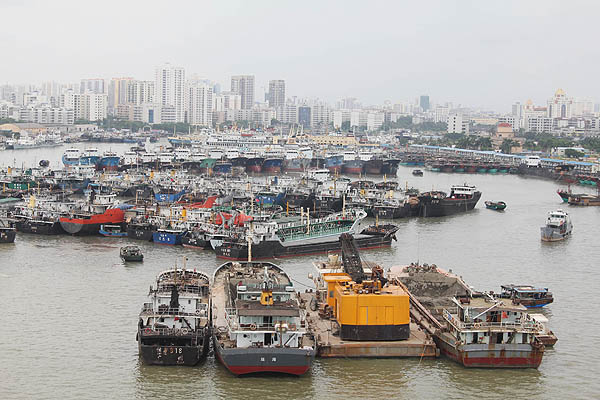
{"x": 70, "y": 306}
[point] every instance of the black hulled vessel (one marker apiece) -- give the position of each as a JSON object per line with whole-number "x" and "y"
{"x": 174, "y": 326}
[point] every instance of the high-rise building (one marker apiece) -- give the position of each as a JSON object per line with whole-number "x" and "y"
{"x": 169, "y": 91}
{"x": 304, "y": 116}
{"x": 424, "y": 102}
{"x": 140, "y": 92}
{"x": 94, "y": 85}
{"x": 276, "y": 95}
{"x": 199, "y": 100}
{"x": 244, "y": 86}
{"x": 118, "y": 89}
{"x": 560, "y": 106}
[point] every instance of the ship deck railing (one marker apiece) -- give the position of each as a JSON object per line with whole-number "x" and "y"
{"x": 148, "y": 309}
{"x": 232, "y": 321}
{"x": 526, "y": 325}
{"x": 150, "y": 331}
{"x": 314, "y": 232}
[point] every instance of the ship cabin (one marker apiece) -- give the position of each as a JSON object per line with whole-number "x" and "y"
{"x": 462, "y": 192}
{"x": 485, "y": 320}
{"x": 527, "y": 295}
{"x": 262, "y": 310}
{"x": 178, "y": 303}
{"x": 557, "y": 219}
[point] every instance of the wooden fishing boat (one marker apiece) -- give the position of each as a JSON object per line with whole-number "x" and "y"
{"x": 495, "y": 205}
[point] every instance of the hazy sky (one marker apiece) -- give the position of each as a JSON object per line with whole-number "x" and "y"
{"x": 478, "y": 53}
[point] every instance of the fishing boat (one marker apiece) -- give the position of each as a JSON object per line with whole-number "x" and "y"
{"x": 174, "y": 325}
{"x": 487, "y": 333}
{"x": 527, "y": 295}
{"x": 462, "y": 198}
{"x": 417, "y": 172}
{"x": 495, "y": 205}
{"x": 111, "y": 230}
{"x": 558, "y": 226}
{"x": 131, "y": 253}
{"x": 258, "y": 324}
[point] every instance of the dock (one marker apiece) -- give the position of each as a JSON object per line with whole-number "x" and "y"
{"x": 420, "y": 344}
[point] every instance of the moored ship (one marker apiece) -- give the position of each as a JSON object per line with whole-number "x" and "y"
{"x": 174, "y": 325}
{"x": 258, "y": 324}
{"x": 486, "y": 333}
{"x": 527, "y": 295}
{"x": 298, "y": 237}
{"x": 437, "y": 204}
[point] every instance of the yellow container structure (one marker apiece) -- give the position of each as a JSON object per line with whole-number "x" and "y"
{"x": 366, "y": 311}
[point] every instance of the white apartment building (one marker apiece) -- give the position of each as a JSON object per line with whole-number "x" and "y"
{"x": 375, "y": 120}
{"x": 227, "y": 101}
{"x": 244, "y": 86}
{"x": 140, "y": 92}
{"x": 288, "y": 114}
{"x": 169, "y": 92}
{"x": 199, "y": 103}
{"x": 539, "y": 124}
{"x": 338, "y": 117}
{"x": 458, "y": 123}
{"x": 47, "y": 115}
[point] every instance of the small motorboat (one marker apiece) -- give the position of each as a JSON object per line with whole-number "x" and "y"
{"x": 417, "y": 172}
{"x": 131, "y": 253}
{"x": 495, "y": 205}
{"x": 112, "y": 231}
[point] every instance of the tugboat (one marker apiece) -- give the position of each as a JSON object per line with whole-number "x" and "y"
{"x": 558, "y": 226}
{"x": 173, "y": 328}
{"x": 438, "y": 204}
{"x": 258, "y": 325}
{"x": 495, "y": 205}
{"x": 131, "y": 253}
{"x": 527, "y": 295}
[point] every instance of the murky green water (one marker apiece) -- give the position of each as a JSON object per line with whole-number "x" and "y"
{"x": 69, "y": 309}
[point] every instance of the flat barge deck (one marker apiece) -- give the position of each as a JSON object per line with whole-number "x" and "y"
{"x": 419, "y": 344}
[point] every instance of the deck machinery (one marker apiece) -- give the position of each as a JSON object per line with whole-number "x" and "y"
{"x": 366, "y": 307}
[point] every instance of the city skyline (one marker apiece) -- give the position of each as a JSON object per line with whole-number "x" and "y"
{"x": 480, "y": 56}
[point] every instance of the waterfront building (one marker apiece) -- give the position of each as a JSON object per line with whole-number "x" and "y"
{"x": 244, "y": 86}
{"x": 458, "y": 123}
{"x": 169, "y": 88}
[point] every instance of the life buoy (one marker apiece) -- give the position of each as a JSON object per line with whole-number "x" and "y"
{"x": 184, "y": 331}
{"x": 253, "y": 327}
{"x": 197, "y": 311}
{"x": 477, "y": 325}
{"x": 147, "y": 331}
